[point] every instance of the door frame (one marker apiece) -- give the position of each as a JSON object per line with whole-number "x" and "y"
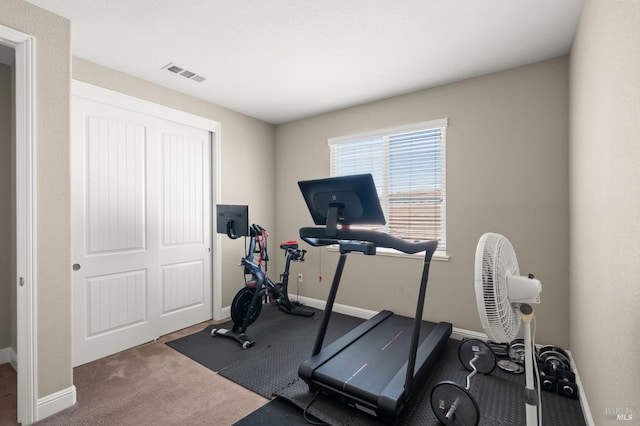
{"x": 95, "y": 93}
{"x": 26, "y": 285}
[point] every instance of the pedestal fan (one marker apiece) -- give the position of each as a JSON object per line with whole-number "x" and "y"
{"x": 504, "y": 301}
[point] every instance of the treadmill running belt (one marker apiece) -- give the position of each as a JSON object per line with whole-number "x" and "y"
{"x": 368, "y": 364}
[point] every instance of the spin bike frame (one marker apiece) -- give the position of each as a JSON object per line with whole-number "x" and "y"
{"x": 261, "y": 287}
{"x": 276, "y": 293}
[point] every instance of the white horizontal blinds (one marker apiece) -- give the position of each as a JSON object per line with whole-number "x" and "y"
{"x": 358, "y": 157}
{"x": 408, "y": 166}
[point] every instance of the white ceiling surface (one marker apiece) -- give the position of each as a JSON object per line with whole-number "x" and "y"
{"x": 280, "y": 60}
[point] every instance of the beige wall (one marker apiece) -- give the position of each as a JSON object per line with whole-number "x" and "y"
{"x": 605, "y": 207}
{"x": 5, "y": 206}
{"x": 247, "y": 146}
{"x": 52, "y": 185}
{"x": 507, "y": 172}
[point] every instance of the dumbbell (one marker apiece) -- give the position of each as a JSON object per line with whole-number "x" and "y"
{"x": 566, "y": 384}
{"x": 453, "y": 404}
{"x": 556, "y": 358}
{"x": 555, "y": 371}
{"x": 548, "y": 381}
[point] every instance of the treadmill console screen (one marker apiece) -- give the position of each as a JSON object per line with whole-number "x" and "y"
{"x": 343, "y": 200}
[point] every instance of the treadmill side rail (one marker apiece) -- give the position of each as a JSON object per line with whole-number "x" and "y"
{"x": 393, "y": 398}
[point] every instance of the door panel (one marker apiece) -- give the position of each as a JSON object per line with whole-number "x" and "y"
{"x": 116, "y": 301}
{"x": 182, "y": 286}
{"x": 115, "y": 185}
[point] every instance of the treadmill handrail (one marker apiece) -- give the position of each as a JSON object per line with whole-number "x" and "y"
{"x": 318, "y": 237}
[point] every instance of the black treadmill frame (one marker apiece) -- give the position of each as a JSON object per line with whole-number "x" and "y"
{"x": 393, "y": 398}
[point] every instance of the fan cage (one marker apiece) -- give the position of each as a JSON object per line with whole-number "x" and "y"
{"x": 499, "y": 317}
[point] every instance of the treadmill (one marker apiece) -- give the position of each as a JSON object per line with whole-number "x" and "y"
{"x": 379, "y": 364}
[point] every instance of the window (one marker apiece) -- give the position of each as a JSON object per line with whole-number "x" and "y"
{"x": 408, "y": 167}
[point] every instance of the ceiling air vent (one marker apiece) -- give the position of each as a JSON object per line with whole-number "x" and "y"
{"x": 183, "y": 72}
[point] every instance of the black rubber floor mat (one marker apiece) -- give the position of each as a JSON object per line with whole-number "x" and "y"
{"x": 284, "y": 342}
{"x": 276, "y": 412}
{"x": 275, "y": 366}
{"x": 218, "y": 352}
{"x": 500, "y": 398}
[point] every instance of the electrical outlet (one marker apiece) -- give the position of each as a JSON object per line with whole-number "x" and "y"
{"x": 299, "y": 278}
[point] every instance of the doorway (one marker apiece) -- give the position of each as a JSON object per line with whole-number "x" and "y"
{"x": 8, "y": 319}
{"x": 22, "y": 283}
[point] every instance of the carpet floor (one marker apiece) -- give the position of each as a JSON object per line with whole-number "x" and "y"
{"x": 153, "y": 384}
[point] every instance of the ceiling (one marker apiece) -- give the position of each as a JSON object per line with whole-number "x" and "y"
{"x": 281, "y": 60}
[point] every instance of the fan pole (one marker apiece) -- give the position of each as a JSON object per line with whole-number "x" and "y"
{"x": 530, "y": 394}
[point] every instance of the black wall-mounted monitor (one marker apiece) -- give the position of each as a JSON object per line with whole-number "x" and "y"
{"x": 232, "y": 220}
{"x": 344, "y": 200}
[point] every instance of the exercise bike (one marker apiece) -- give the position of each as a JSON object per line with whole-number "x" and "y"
{"x": 247, "y": 303}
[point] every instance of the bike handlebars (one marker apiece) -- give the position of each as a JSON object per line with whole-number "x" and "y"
{"x": 296, "y": 255}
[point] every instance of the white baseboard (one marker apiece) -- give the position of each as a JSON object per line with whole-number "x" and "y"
{"x": 586, "y": 411}
{"x": 337, "y": 307}
{"x": 458, "y": 333}
{"x": 56, "y": 402}
{"x": 319, "y": 304}
{"x": 225, "y": 312}
{"x": 5, "y": 355}
{"x": 461, "y": 333}
{"x": 9, "y": 355}
{"x": 49, "y": 404}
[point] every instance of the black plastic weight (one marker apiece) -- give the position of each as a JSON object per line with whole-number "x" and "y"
{"x": 448, "y": 394}
{"x": 486, "y": 358}
{"x": 453, "y": 404}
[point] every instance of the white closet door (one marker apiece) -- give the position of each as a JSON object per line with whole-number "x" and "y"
{"x": 141, "y": 214}
{"x": 185, "y": 226}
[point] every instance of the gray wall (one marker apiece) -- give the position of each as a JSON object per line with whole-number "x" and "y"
{"x": 605, "y": 207}
{"x": 5, "y": 206}
{"x": 507, "y": 172}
